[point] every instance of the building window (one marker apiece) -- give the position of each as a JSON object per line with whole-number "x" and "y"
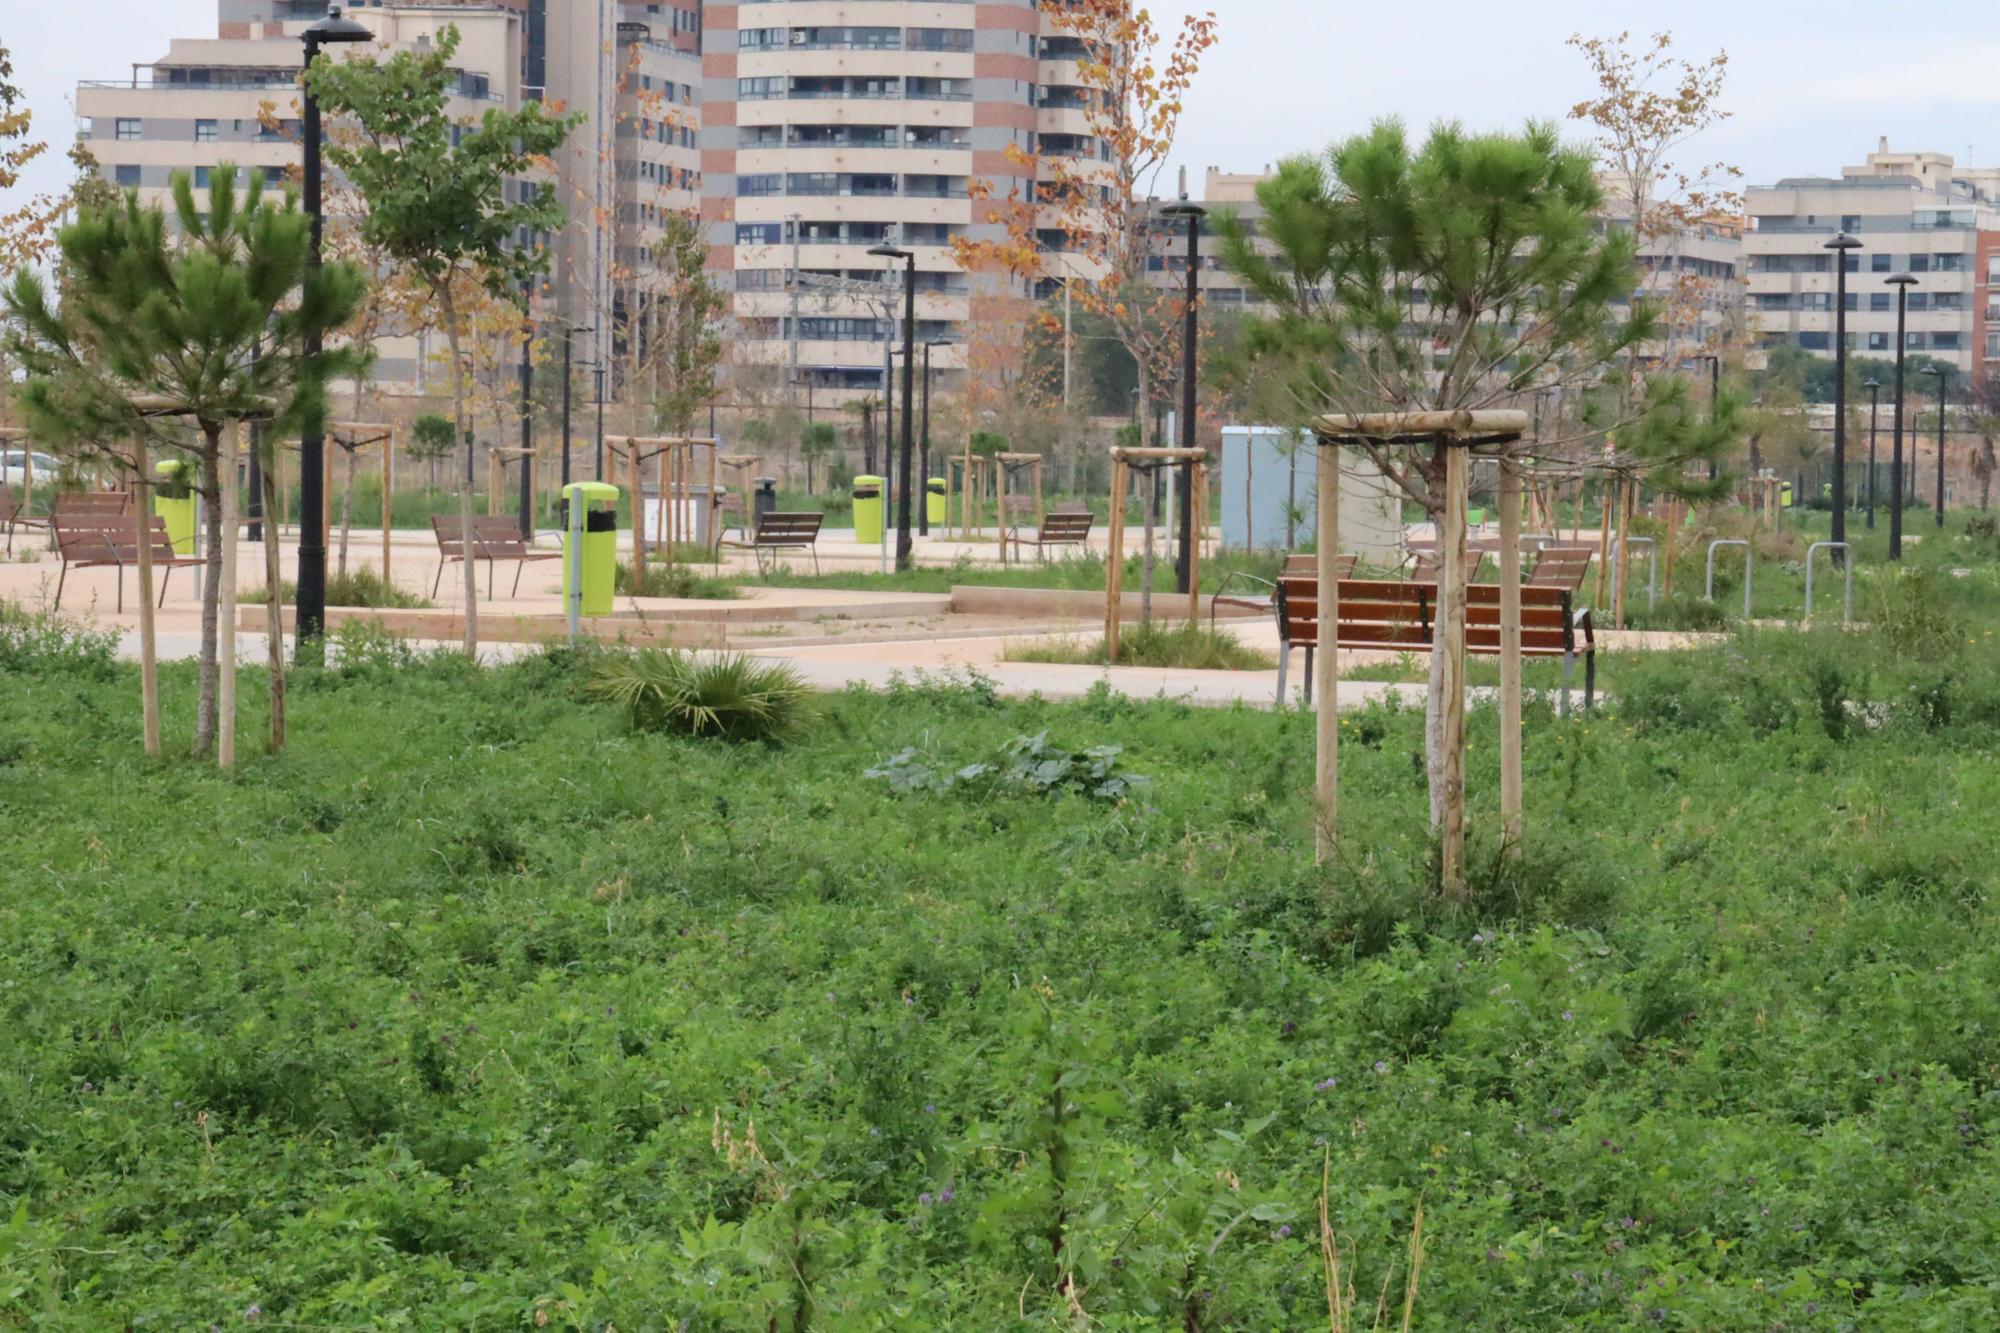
{"x": 1920, "y": 263}
{"x": 1950, "y": 263}
{"x": 1944, "y": 342}
{"x": 759, "y": 233}
{"x": 1948, "y": 300}
{"x": 1850, "y": 222}
{"x": 201, "y": 178}
{"x": 1879, "y": 262}
{"x": 1774, "y": 300}
{"x": 1814, "y": 341}
{"x": 1920, "y": 301}
{"x": 752, "y": 90}
{"x": 1993, "y": 345}
{"x": 125, "y": 173}
{"x": 128, "y": 127}
{"x": 1878, "y": 342}
{"x": 754, "y": 186}
{"x": 204, "y": 131}
{"x": 1879, "y": 302}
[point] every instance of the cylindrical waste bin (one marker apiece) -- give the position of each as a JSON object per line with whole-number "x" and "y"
{"x": 936, "y": 500}
{"x": 766, "y": 499}
{"x": 173, "y": 500}
{"x": 598, "y": 504}
{"x": 868, "y": 510}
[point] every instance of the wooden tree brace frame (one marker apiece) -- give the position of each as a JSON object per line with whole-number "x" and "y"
{"x": 353, "y": 436}
{"x": 1123, "y": 463}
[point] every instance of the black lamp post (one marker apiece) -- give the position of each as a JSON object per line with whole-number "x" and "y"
{"x": 924, "y": 444}
{"x": 1943, "y": 374}
{"x": 903, "y": 547}
{"x": 1840, "y": 245}
{"x": 1902, "y": 282}
{"x": 1714, "y": 400}
{"x": 597, "y": 380}
{"x": 329, "y": 31}
{"x": 1192, "y": 214}
{"x": 1874, "y": 387}
{"x": 527, "y": 492}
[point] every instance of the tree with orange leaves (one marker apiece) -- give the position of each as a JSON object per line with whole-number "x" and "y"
{"x": 1135, "y": 82}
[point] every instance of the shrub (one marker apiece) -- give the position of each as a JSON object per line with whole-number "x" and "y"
{"x": 673, "y": 581}
{"x": 1189, "y": 645}
{"x": 1908, "y": 611}
{"x": 34, "y": 641}
{"x": 735, "y": 697}
{"x": 362, "y": 588}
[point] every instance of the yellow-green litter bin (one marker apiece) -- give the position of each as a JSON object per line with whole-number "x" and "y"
{"x": 868, "y": 510}
{"x": 937, "y": 500}
{"x": 173, "y": 500}
{"x": 1785, "y": 496}
{"x": 590, "y": 514}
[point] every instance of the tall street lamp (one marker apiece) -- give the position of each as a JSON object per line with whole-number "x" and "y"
{"x": 527, "y": 410}
{"x": 1714, "y": 400}
{"x": 924, "y": 444}
{"x": 1902, "y": 282}
{"x": 1874, "y": 387}
{"x": 903, "y": 546}
{"x": 597, "y": 381}
{"x": 1840, "y": 245}
{"x": 1943, "y": 374}
{"x": 1192, "y": 214}
{"x": 332, "y": 30}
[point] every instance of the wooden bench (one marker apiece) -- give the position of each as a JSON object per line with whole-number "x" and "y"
{"x": 93, "y": 541}
{"x": 783, "y": 531}
{"x": 1058, "y": 529}
{"x": 1395, "y": 616}
{"x": 1561, "y": 567}
{"x": 92, "y": 502}
{"x": 13, "y": 515}
{"x": 495, "y": 537}
{"x": 1306, "y": 564}
{"x": 1426, "y": 568}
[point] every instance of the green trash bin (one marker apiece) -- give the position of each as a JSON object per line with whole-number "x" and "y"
{"x": 590, "y": 511}
{"x": 868, "y": 510}
{"x": 1785, "y": 496}
{"x": 173, "y": 500}
{"x": 936, "y": 500}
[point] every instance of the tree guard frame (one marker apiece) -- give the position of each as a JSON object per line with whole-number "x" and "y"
{"x": 674, "y": 458}
{"x": 973, "y": 470}
{"x": 1123, "y": 463}
{"x": 1004, "y": 466}
{"x": 384, "y": 434}
{"x": 1461, "y": 433}
{"x": 741, "y": 465}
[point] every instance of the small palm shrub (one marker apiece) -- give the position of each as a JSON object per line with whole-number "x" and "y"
{"x": 734, "y": 697}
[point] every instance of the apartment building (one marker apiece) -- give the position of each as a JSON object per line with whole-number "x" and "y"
{"x": 634, "y": 68}
{"x": 829, "y": 129}
{"x": 1914, "y": 213}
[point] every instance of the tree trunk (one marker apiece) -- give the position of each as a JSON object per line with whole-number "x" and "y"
{"x": 1146, "y": 500}
{"x": 225, "y": 693}
{"x": 211, "y": 591}
{"x": 149, "y": 675}
{"x": 460, "y": 425}
{"x": 274, "y": 625}
{"x": 1987, "y": 463}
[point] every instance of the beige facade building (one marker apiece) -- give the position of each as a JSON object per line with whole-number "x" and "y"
{"x": 1916, "y": 213}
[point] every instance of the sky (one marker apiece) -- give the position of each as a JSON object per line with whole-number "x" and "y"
{"x": 1811, "y": 87}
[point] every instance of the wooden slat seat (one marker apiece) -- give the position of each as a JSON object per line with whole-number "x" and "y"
{"x": 783, "y": 530}
{"x": 1396, "y": 616}
{"x": 495, "y": 537}
{"x": 92, "y": 502}
{"x": 1561, "y": 567}
{"x": 1058, "y": 529}
{"x": 99, "y": 540}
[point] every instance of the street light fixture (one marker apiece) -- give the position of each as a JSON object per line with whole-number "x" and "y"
{"x": 903, "y": 545}
{"x": 333, "y": 30}
{"x": 1874, "y": 387}
{"x": 1902, "y": 282}
{"x": 1840, "y": 245}
{"x": 1192, "y": 214}
{"x": 1943, "y": 374}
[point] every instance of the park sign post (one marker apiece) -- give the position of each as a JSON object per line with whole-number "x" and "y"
{"x": 1461, "y": 433}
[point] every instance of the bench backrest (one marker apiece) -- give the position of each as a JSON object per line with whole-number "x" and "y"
{"x": 10, "y": 504}
{"x": 1401, "y": 616}
{"x": 93, "y": 502}
{"x": 108, "y": 538}
{"x": 1561, "y": 567}
{"x": 1427, "y": 566}
{"x": 1307, "y": 565}
{"x": 782, "y": 528}
{"x": 494, "y": 536}
{"x": 1065, "y": 529}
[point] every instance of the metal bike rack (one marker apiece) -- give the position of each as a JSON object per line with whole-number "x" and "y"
{"x": 1652, "y": 569}
{"x": 1749, "y": 567}
{"x": 1847, "y": 601}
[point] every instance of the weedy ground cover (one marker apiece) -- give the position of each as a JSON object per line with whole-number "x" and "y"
{"x": 480, "y": 1008}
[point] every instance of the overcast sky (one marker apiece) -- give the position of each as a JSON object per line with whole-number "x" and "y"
{"x": 1812, "y": 86}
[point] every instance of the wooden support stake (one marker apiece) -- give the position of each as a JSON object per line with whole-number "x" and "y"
{"x": 1627, "y": 492}
{"x": 225, "y": 694}
{"x": 1673, "y": 523}
{"x": 1450, "y": 642}
{"x": 1114, "y": 563}
{"x": 149, "y": 673}
{"x": 1326, "y": 661}
{"x": 1000, "y": 487}
{"x": 1510, "y": 654}
{"x": 1603, "y": 541}
{"x": 638, "y": 515}
{"x": 1194, "y": 553}
{"x": 388, "y": 499}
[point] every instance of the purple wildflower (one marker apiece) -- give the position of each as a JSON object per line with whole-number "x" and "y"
{"x": 924, "y": 1199}
{"x": 948, "y": 1195}
{"x": 255, "y": 1311}
{"x": 1284, "y": 1231}
{"x": 1568, "y": 1017}
{"x": 1381, "y": 1066}
{"x": 1326, "y": 1084}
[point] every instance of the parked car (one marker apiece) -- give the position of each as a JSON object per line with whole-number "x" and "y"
{"x": 14, "y": 468}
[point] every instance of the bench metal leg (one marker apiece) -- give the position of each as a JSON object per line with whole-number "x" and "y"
{"x": 1308, "y": 685}
{"x": 1589, "y": 681}
{"x": 60, "y": 577}
{"x": 439, "y": 578}
{"x": 519, "y": 565}
{"x": 490, "y": 563}
{"x": 1284, "y": 661}
{"x": 1569, "y": 669}
{"x": 166, "y": 574}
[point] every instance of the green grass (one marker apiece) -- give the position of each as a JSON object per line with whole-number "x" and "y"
{"x": 480, "y": 1009}
{"x": 1079, "y": 572}
{"x": 679, "y": 580}
{"x": 1193, "y": 646}
{"x": 358, "y": 587}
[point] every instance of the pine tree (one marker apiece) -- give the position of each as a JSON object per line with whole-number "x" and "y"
{"x": 206, "y": 324}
